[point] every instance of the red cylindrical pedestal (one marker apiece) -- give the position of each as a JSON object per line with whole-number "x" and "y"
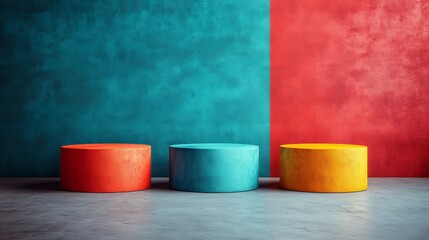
{"x": 105, "y": 167}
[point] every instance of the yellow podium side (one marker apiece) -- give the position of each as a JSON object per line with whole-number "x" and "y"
{"x": 323, "y": 167}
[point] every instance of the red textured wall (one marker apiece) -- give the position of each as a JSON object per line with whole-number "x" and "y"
{"x": 353, "y": 72}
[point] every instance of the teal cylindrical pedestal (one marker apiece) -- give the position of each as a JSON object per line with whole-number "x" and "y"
{"x": 214, "y": 167}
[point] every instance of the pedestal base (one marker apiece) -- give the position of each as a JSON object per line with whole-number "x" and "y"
{"x": 214, "y": 167}
{"x": 105, "y": 167}
{"x": 323, "y": 167}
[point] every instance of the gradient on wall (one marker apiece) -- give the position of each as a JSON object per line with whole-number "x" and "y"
{"x": 353, "y": 72}
{"x": 153, "y": 72}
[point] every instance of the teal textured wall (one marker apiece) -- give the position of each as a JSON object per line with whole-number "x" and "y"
{"x": 155, "y": 72}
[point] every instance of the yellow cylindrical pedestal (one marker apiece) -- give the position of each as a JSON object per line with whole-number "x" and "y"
{"x": 323, "y": 167}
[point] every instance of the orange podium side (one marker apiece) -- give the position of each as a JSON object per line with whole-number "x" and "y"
{"x": 323, "y": 167}
{"x": 105, "y": 167}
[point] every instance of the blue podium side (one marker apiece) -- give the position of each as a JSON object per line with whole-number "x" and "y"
{"x": 214, "y": 167}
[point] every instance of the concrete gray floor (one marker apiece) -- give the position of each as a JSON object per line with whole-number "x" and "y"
{"x": 390, "y": 209}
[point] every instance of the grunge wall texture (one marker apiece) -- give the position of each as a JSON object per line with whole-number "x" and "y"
{"x": 155, "y": 72}
{"x": 257, "y": 72}
{"x": 353, "y": 72}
